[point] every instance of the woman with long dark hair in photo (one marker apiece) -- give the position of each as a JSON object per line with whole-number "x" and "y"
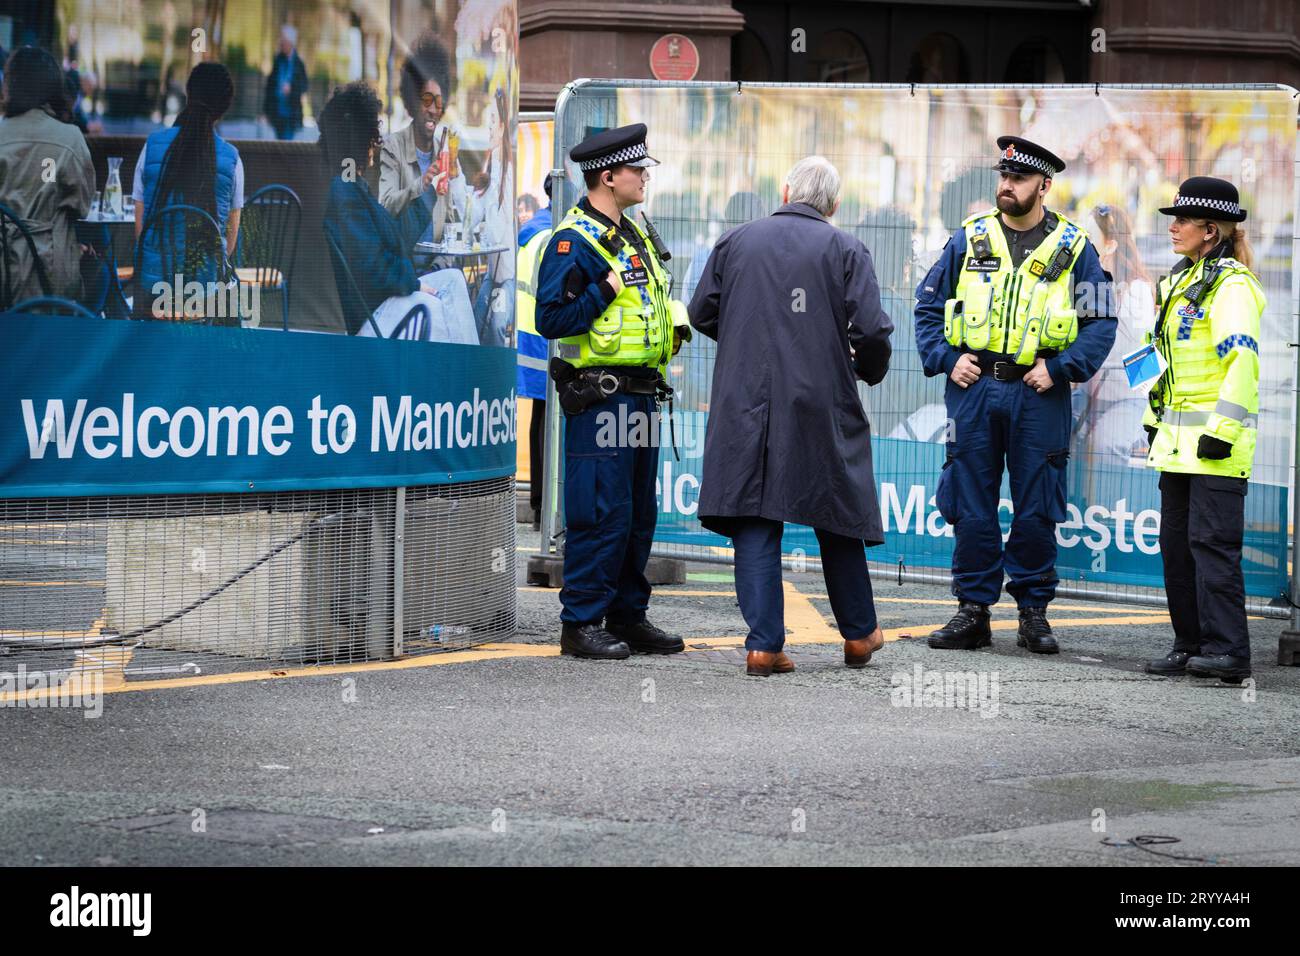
{"x": 189, "y": 163}
{"x": 37, "y": 139}
{"x": 370, "y": 240}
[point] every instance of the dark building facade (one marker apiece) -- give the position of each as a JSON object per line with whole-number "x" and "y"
{"x": 917, "y": 41}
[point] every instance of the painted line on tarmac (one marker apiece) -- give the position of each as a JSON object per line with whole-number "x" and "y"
{"x": 802, "y": 618}
{"x": 481, "y": 653}
{"x": 671, "y": 591}
{"x": 917, "y": 632}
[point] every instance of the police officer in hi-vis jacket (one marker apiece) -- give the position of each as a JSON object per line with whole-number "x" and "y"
{"x": 603, "y": 292}
{"x": 1015, "y": 310}
{"x": 1202, "y": 426}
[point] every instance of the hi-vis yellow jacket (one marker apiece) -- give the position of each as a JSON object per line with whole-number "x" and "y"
{"x": 637, "y": 327}
{"x": 1018, "y": 311}
{"x": 1212, "y": 384}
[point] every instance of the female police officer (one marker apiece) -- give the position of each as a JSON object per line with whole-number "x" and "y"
{"x": 1202, "y": 428}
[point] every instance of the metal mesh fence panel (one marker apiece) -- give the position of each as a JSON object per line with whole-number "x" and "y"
{"x": 914, "y": 162}
{"x": 169, "y": 584}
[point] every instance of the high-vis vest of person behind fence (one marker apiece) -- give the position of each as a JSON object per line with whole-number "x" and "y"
{"x": 530, "y": 347}
{"x": 1017, "y": 311}
{"x": 637, "y": 327}
{"x": 1209, "y": 316}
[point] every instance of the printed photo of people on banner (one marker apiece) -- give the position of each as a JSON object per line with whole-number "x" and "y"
{"x": 363, "y": 181}
{"x": 916, "y": 163}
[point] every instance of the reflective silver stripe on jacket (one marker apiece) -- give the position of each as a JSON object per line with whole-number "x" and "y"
{"x": 1231, "y": 410}
{"x": 1189, "y": 419}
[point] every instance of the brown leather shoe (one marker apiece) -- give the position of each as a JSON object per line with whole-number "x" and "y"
{"x": 766, "y": 663}
{"x": 857, "y": 653}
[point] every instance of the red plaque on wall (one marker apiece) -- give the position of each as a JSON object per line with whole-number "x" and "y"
{"x": 674, "y": 57}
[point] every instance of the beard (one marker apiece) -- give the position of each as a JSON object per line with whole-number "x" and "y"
{"x": 1008, "y": 205}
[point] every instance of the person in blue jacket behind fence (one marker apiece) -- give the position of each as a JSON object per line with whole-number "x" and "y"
{"x": 1016, "y": 309}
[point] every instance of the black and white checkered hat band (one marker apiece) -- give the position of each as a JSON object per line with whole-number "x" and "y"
{"x": 627, "y": 154}
{"x": 1042, "y": 165}
{"x": 1222, "y": 205}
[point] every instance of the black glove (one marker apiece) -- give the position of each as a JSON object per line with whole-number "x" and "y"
{"x": 1213, "y": 449}
{"x": 1151, "y": 434}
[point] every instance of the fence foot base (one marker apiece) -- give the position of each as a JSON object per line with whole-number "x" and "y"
{"x": 665, "y": 570}
{"x": 1288, "y": 649}
{"x": 546, "y": 570}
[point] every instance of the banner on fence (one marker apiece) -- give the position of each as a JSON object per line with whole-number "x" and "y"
{"x": 914, "y": 163}
{"x": 160, "y": 408}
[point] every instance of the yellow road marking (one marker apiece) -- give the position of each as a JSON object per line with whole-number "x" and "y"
{"x": 915, "y": 632}
{"x": 805, "y": 622}
{"x": 55, "y": 634}
{"x": 481, "y": 653}
{"x": 671, "y": 591}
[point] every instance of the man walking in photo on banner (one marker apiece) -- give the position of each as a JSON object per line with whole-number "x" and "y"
{"x": 1016, "y": 309}
{"x": 794, "y": 305}
{"x": 603, "y": 292}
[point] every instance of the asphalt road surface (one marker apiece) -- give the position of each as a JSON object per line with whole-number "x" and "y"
{"x": 511, "y": 754}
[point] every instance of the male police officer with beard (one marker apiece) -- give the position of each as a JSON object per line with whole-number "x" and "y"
{"x": 603, "y": 292}
{"x": 1016, "y": 309}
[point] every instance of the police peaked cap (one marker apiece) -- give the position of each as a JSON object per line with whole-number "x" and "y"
{"x": 1207, "y": 198}
{"x": 1017, "y": 155}
{"x": 623, "y": 146}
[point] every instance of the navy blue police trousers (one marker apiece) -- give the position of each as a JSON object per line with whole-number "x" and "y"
{"x": 610, "y": 464}
{"x": 995, "y": 426}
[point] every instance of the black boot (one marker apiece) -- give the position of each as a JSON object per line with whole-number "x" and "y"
{"x": 1229, "y": 669}
{"x": 1171, "y": 665}
{"x": 592, "y": 641}
{"x": 1035, "y": 633}
{"x": 968, "y": 629}
{"x": 644, "y": 638}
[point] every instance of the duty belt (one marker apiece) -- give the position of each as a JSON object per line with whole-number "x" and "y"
{"x": 1003, "y": 365}
{"x": 631, "y": 380}
{"x": 580, "y": 388}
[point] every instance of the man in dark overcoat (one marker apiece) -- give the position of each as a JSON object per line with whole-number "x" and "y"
{"x": 794, "y": 306}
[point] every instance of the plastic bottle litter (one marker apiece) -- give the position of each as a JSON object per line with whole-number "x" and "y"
{"x": 444, "y": 632}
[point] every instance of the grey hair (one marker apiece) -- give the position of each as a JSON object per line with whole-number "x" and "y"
{"x": 289, "y": 33}
{"x": 813, "y": 180}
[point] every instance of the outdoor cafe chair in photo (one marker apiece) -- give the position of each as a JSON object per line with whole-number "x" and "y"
{"x": 182, "y": 241}
{"x": 12, "y": 232}
{"x": 104, "y": 294}
{"x": 53, "y": 305}
{"x": 268, "y": 242}
{"x": 414, "y": 325}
